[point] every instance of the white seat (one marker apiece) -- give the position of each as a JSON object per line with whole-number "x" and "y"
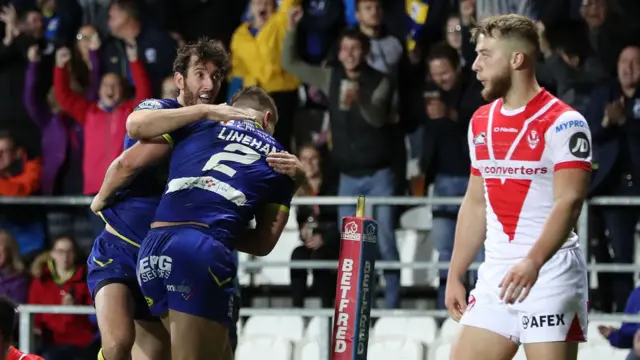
{"x": 289, "y": 240}
{"x": 441, "y": 352}
{"x": 619, "y": 354}
{"x": 594, "y": 336}
{"x": 310, "y": 351}
{"x": 449, "y": 329}
{"x": 596, "y": 352}
{"x": 292, "y": 223}
{"x": 395, "y": 349}
{"x": 264, "y": 348}
{"x": 413, "y": 245}
{"x": 285, "y": 327}
{"x": 422, "y": 329}
{"x": 244, "y": 277}
{"x": 314, "y": 328}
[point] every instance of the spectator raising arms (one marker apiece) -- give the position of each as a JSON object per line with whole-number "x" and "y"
{"x": 60, "y": 280}
{"x": 14, "y": 281}
{"x": 103, "y": 121}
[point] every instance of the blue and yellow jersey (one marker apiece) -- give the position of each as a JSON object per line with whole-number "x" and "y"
{"x": 133, "y": 210}
{"x": 219, "y": 176}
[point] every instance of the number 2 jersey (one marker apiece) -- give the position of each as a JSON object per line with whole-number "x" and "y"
{"x": 517, "y": 152}
{"x": 134, "y": 207}
{"x": 219, "y": 176}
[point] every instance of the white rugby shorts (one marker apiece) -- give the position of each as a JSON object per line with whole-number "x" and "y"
{"x": 555, "y": 310}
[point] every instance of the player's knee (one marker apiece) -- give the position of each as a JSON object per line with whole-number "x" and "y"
{"x": 117, "y": 348}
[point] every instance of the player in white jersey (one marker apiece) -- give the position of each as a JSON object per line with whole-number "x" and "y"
{"x": 531, "y": 163}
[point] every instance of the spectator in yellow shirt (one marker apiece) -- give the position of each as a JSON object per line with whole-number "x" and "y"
{"x": 256, "y": 46}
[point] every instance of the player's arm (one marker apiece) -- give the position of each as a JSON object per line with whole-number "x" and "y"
{"x": 150, "y": 120}
{"x": 570, "y": 148}
{"x": 124, "y": 168}
{"x": 470, "y": 228}
{"x": 270, "y": 223}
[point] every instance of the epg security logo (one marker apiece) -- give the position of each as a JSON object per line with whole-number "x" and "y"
{"x": 579, "y": 145}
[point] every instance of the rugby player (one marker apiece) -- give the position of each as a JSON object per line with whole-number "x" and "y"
{"x": 132, "y": 187}
{"x": 8, "y": 312}
{"x": 531, "y": 163}
{"x": 219, "y": 180}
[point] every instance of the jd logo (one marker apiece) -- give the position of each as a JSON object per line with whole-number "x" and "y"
{"x": 579, "y": 145}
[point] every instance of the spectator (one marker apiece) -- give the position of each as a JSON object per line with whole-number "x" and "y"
{"x": 450, "y": 99}
{"x": 613, "y": 116}
{"x": 85, "y": 62}
{"x": 386, "y": 50}
{"x": 20, "y": 176}
{"x": 61, "y": 281}
{"x": 169, "y": 89}
{"x": 622, "y": 338}
{"x": 606, "y": 34}
{"x": 634, "y": 354}
{"x": 61, "y": 19}
{"x": 362, "y": 135}
{"x": 256, "y": 47}
{"x": 62, "y": 156}
{"x": 104, "y": 117}
{"x": 103, "y": 122}
{"x": 14, "y": 281}
{"x": 14, "y": 45}
{"x": 318, "y": 232}
{"x": 569, "y": 64}
{"x": 156, "y": 48}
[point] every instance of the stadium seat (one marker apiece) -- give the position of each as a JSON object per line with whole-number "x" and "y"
{"x": 593, "y": 335}
{"x": 449, "y": 330}
{"x": 285, "y": 327}
{"x": 264, "y": 348}
{"x": 292, "y": 223}
{"x": 413, "y": 245}
{"x": 289, "y": 240}
{"x": 422, "y": 329}
{"x": 314, "y": 328}
{"x": 309, "y": 351}
{"x": 244, "y": 277}
{"x": 396, "y": 349}
{"x": 441, "y": 352}
{"x": 596, "y": 352}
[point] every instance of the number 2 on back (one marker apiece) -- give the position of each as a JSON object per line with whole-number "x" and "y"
{"x": 231, "y": 153}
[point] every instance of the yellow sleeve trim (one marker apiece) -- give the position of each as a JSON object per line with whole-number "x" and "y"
{"x": 281, "y": 207}
{"x": 169, "y": 139}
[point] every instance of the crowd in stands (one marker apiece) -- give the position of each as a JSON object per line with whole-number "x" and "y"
{"x": 375, "y": 97}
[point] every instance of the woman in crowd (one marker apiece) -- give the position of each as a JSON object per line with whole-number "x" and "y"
{"x": 14, "y": 281}
{"x": 60, "y": 280}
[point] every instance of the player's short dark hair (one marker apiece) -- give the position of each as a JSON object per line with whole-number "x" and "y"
{"x": 131, "y": 7}
{"x": 205, "y": 50}
{"x": 511, "y": 26}
{"x": 8, "y": 311}
{"x": 444, "y": 51}
{"x": 256, "y": 98}
{"x": 358, "y": 2}
{"x": 356, "y": 34}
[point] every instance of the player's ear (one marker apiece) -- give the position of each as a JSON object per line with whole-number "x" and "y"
{"x": 179, "y": 80}
{"x": 518, "y": 60}
{"x": 267, "y": 119}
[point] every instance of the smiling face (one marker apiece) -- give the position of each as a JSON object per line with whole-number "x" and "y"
{"x": 202, "y": 83}
{"x": 111, "y": 89}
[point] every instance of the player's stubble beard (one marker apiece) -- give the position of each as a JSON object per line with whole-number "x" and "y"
{"x": 497, "y": 87}
{"x": 190, "y": 98}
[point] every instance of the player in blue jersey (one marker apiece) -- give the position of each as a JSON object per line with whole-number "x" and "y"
{"x": 219, "y": 180}
{"x": 133, "y": 189}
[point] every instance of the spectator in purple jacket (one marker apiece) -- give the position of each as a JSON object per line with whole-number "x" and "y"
{"x": 14, "y": 281}
{"x": 62, "y": 157}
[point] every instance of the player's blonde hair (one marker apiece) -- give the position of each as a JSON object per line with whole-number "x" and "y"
{"x": 512, "y": 27}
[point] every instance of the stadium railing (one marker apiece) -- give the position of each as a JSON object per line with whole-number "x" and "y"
{"x": 27, "y": 311}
